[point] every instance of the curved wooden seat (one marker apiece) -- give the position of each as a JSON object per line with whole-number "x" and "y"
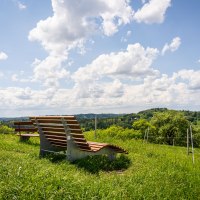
{"x": 63, "y": 133}
{"x": 25, "y": 130}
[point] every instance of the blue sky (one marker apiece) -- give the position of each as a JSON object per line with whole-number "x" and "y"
{"x": 82, "y": 56}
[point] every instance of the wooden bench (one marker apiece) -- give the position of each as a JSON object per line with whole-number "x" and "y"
{"x": 63, "y": 133}
{"x": 25, "y": 130}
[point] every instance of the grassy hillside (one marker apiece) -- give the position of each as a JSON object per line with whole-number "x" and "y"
{"x": 149, "y": 172}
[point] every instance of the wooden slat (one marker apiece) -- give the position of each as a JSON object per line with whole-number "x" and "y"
{"x": 74, "y": 126}
{"x": 58, "y": 140}
{"x": 100, "y": 143}
{"x": 50, "y": 125}
{"x": 72, "y": 122}
{"x": 55, "y": 137}
{"x": 58, "y": 145}
{"x": 58, "y": 134}
{"x": 97, "y": 144}
{"x": 52, "y": 133}
{"x": 25, "y": 129}
{"x": 54, "y": 129}
{"x": 28, "y": 135}
{"x": 93, "y": 149}
{"x": 80, "y": 140}
{"x": 59, "y": 121}
{"x": 76, "y": 131}
{"x": 77, "y": 136}
{"x": 23, "y": 123}
{"x": 68, "y": 117}
{"x": 49, "y": 121}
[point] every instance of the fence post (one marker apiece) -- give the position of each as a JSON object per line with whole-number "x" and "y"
{"x": 192, "y": 144}
{"x": 95, "y": 127}
{"x": 145, "y": 133}
{"x": 188, "y": 142}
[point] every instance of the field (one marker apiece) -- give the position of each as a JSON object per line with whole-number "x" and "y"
{"x": 149, "y": 171}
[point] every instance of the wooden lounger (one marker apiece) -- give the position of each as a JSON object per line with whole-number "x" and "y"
{"x": 25, "y": 130}
{"x": 63, "y": 133}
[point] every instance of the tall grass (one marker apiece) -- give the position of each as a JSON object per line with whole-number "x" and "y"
{"x": 148, "y": 172}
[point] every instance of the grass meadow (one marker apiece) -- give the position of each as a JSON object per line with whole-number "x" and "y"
{"x": 149, "y": 171}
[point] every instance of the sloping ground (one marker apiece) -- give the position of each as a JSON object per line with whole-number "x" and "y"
{"x": 148, "y": 172}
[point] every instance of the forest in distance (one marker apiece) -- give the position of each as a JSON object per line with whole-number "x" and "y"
{"x": 164, "y": 126}
{"x": 127, "y": 120}
{"x": 106, "y": 120}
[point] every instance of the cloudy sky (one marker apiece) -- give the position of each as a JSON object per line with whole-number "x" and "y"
{"x": 101, "y": 56}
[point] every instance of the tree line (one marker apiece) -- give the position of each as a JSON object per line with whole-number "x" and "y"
{"x": 163, "y": 125}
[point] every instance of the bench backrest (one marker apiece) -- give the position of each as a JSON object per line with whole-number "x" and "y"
{"x": 24, "y": 126}
{"x": 58, "y": 129}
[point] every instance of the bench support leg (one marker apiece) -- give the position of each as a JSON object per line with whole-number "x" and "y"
{"x": 24, "y": 138}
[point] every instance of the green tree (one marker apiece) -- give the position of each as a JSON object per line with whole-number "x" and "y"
{"x": 170, "y": 126}
{"x": 142, "y": 125}
{"x": 196, "y": 135}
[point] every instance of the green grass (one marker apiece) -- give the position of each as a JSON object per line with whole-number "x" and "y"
{"x": 149, "y": 171}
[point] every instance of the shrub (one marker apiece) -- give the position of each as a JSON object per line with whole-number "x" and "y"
{"x": 169, "y": 125}
{"x": 117, "y": 132}
{"x": 5, "y": 129}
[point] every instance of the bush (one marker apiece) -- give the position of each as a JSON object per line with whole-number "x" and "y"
{"x": 118, "y": 132}
{"x": 5, "y": 129}
{"x": 169, "y": 125}
{"x": 196, "y": 135}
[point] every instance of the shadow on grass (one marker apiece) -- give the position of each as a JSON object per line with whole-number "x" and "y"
{"x": 55, "y": 157}
{"x": 30, "y": 142}
{"x": 95, "y": 164}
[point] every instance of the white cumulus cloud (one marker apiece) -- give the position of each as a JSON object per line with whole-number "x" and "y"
{"x": 73, "y": 21}
{"x": 181, "y": 89}
{"x": 135, "y": 62}
{"x": 173, "y": 46}
{"x": 21, "y": 5}
{"x": 152, "y": 11}
{"x": 103, "y": 75}
{"x": 70, "y": 26}
{"x": 3, "y": 56}
{"x": 192, "y": 78}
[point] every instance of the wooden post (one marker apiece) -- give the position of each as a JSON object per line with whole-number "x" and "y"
{"x": 95, "y": 127}
{"x": 145, "y": 135}
{"x": 188, "y": 150}
{"x": 192, "y": 144}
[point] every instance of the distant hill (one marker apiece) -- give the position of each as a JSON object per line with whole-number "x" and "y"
{"x": 124, "y": 120}
{"x": 100, "y": 116}
{"x": 78, "y": 116}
